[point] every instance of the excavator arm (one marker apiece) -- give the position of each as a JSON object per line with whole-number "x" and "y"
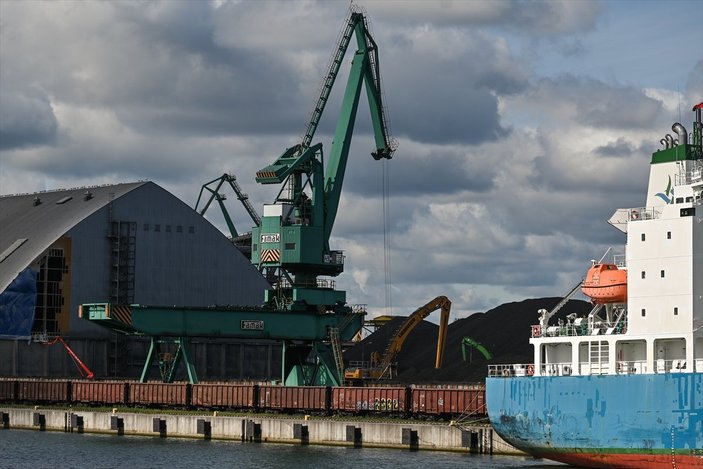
{"x": 441, "y": 302}
{"x": 469, "y": 342}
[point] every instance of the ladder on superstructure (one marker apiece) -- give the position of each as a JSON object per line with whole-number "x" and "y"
{"x": 599, "y": 357}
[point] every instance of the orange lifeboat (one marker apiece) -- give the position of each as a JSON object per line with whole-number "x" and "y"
{"x": 605, "y": 283}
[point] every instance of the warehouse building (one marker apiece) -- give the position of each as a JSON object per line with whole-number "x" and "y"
{"x": 123, "y": 244}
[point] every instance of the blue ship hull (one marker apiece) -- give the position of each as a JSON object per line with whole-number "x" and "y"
{"x": 640, "y": 421}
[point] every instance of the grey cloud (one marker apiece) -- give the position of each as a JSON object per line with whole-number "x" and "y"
{"x": 548, "y": 18}
{"x": 26, "y": 118}
{"x": 694, "y": 85}
{"x": 596, "y": 103}
{"x": 442, "y": 171}
{"x": 620, "y": 108}
{"x": 618, "y": 148}
{"x": 445, "y": 106}
{"x": 553, "y": 18}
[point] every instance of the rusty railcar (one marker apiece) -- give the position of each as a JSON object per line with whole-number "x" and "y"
{"x": 41, "y": 390}
{"x": 100, "y": 392}
{"x": 8, "y": 390}
{"x": 160, "y": 394}
{"x": 387, "y": 400}
{"x": 447, "y": 403}
{"x": 294, "y": 398}
{"x": 224, "y": 396}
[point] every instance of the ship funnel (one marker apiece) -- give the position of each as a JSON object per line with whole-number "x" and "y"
{"x": 681, "y": 132}
{"x": 669, "y": 141}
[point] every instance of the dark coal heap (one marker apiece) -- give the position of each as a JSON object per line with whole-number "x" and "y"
{"x": 505, "y": 331}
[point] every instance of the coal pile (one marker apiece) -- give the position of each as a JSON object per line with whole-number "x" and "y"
{"x": 505, "y": 331}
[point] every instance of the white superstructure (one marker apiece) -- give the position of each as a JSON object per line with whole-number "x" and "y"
{"x": 660, "y": 327}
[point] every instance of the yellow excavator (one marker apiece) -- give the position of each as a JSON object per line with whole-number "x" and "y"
{"x": 381, "y": 364}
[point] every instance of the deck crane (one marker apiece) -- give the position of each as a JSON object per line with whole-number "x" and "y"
{"x": 290, "y": 247}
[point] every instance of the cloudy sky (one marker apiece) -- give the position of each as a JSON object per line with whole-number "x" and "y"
{"x": 521, "y": 125}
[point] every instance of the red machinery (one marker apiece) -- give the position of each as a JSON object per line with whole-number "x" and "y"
{"x": 82, "y": 368}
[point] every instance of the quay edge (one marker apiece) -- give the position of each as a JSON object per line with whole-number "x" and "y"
{"x": 257, "y": 428}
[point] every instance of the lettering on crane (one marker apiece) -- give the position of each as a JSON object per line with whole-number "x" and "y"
{"x": 271, "y": 238}
{"x": 251, "y": 325}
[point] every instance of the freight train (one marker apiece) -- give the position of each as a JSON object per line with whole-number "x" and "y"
{"x": 406, "y": 402}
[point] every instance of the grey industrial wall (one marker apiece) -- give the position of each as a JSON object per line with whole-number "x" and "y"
{"x": 124, "y": 357}
{"x": 173, "y": 267}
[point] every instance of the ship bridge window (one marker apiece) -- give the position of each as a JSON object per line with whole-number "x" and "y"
{"x": 643, "y": 274}
{"x": 679, "y": 200}
{"x": 662, "y": 274}
{"x": 689, "y": 199}
{"x": 643, "y": 237}
{"x": 676, "y": 310}
{"x": 668, "y": 235}
{"x": 644, "y": 312}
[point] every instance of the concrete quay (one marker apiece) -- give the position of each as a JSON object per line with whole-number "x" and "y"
{"x": 261, "y": 429}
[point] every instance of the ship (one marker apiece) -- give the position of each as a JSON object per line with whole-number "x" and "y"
{"x": 623, "y": 385}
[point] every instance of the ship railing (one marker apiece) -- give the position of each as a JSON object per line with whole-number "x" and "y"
{"x": 579, "y": 328}
{"x": 528, "y": 369}
{"x": 631, "y": 367}
{"x": 517, "y": 369}
{"x": 670, "y": 366}
{"x": 557, "y": 369}
{"x": 622, "y": 367}
{"x": 643, "y": 213}
{"x": 695, "y": 175}
{"x": 661, "y": 366}
{"x": 620, "y": 260}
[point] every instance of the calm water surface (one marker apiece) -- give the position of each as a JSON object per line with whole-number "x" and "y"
{"x": 34, "y": 449}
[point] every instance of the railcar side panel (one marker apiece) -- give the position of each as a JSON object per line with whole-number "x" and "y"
{"x": 100, "y": 392}
{"x": 235, "y": 396}
{"x": 44, "y": 391}
{"x": 389, "y": 400}
{"x": 448, "y": 402}
{"x": 159, "y": 394}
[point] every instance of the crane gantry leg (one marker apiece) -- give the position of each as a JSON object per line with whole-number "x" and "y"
{"x": 168, "y": 361}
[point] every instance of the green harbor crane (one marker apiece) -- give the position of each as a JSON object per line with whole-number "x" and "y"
{"x": 290, "y": 246}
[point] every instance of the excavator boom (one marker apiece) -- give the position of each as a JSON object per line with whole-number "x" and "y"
{"x": 396, "y": 343}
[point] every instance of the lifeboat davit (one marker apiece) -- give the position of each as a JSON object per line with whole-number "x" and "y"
{"x": 605, "y": 283}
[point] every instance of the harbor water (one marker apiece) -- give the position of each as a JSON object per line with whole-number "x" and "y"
{"x": 35, "y": 449}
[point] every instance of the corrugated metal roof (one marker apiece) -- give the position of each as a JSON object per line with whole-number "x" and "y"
{"x": 42, "y": 217}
